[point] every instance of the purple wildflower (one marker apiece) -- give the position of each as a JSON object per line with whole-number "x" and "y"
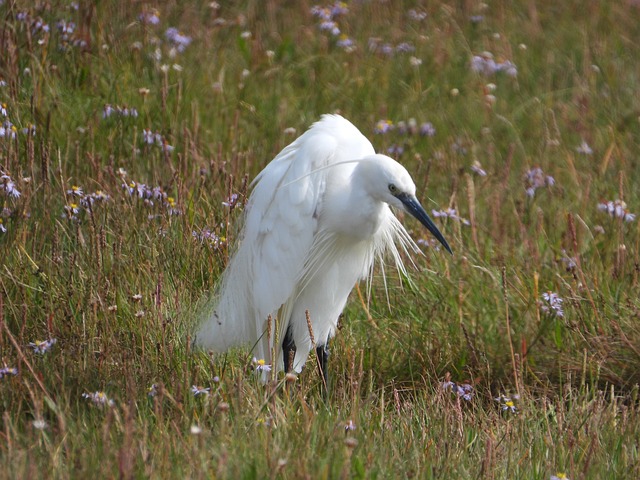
{"x": 206, "y": 236}
{"x": 179, "y": 40}
{"x": 330, "y": 26}
{"x": 321, "y": 13}
{"x": 552, "y": 304}
{"x": 43, "y": 346}
{"x": 617, "y": 209}
{"x": 464, "y": 390}
{"x": 152, "y": 391}
{"x": 387, "y": 49}
{"x": 535, "y": 178}
{"x": 427, "y": 129}
{"x": 416, "y": 15}
{"x": 405, "y": 47}
{"x": 395, "y": 150}
{"x": 346, "y": 43}
{"x": 107, "y": 111}
{"x": 6, "y": 371}
{"x": 232, "y": 201}
{"x": 430, "y": 243}
{"x": 485, "y": 64}
{"x": 450, "y": 213}
{"x": 197, "y": 391}
{"x": 570, "y": 263}
{"x": 150, "y": 17}
{"x": 99, "y": 398}
{"x": 339, "y": 8}
{"x": 383, "y": 126}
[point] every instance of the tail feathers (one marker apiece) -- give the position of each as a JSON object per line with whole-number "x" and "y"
{"x": 218, "y": 333}
{"x": 228, "y": 322}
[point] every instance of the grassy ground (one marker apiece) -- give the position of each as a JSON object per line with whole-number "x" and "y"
{"x": 541, "y": 387}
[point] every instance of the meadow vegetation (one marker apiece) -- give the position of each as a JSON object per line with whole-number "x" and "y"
{"x": 130, "y": 134}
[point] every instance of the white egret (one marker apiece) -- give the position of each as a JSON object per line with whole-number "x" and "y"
{"x": 317, "y": 219}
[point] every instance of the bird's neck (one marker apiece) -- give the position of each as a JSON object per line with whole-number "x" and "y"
{"x": 352, "y": 212}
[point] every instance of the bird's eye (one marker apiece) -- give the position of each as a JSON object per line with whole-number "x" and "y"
{"x": 393, "y": 189}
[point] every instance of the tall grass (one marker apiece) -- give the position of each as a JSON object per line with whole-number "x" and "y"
{"x": 117, "y": 277}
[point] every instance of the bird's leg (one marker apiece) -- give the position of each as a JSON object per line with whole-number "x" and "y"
{"x": 288, "y": 350}
{"x": 322, "y": 352}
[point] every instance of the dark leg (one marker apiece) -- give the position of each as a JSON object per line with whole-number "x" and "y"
{"x": 323, "y": 358}
{"x": 288, "y": 350}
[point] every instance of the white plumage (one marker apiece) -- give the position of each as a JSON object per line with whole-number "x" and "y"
{"x": 316, "y": 220}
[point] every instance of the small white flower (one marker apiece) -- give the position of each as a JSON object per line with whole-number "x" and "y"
{"x": 477, "y": 169}
{"x": 71, "y": 211}
{"x": 75, "y": 191}
{"x": 506, "y": 404}
{"x": 8, "y": 186}
{"x": 39, "y": 424}
{"x": 261, "y": 365}
{"x": 584, "y": 148}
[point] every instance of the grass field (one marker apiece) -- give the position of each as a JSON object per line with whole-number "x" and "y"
{"x": 127, "y": 129}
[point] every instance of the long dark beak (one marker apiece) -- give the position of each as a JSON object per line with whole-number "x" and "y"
{"x": 413, "y": 206}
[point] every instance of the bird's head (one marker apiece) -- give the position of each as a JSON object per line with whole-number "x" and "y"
{"x": 388, "y": 181}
